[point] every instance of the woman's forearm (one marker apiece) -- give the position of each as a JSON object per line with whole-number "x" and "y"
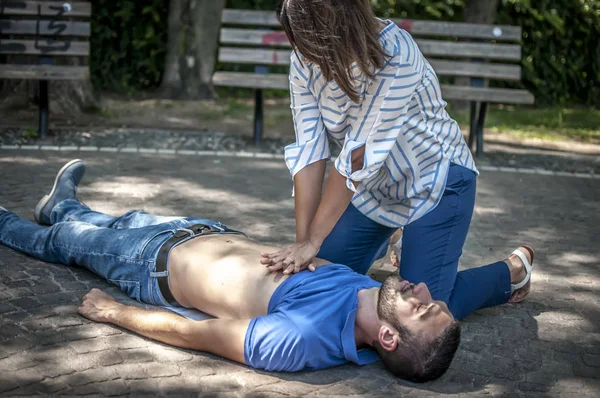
{"x": 308, "y": 185}
{"x": 334, "y": 202}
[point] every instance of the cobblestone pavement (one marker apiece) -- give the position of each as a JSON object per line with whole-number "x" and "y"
{"x": 549, "y": 345}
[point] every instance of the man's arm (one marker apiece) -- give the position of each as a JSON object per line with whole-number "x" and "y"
{"x": 223, "y": 337}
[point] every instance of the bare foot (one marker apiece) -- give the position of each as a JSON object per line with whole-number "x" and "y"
{"x": 518, "y": 273}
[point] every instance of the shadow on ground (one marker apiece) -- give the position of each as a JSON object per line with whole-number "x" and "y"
{"x": 548, "y": 345}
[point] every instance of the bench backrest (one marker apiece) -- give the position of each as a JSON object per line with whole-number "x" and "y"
{"x": 45, "y": 28}
{"x": 256, "y": 37}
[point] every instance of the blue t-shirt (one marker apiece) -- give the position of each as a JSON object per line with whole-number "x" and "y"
{"x": 310, "y": 323}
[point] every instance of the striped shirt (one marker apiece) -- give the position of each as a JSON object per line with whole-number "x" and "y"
{"x": 409, "y": 138}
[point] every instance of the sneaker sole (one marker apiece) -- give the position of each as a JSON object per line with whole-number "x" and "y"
{"x": 44, "y": 201}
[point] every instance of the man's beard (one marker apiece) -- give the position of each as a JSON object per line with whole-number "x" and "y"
{"x": 386, "y": 307}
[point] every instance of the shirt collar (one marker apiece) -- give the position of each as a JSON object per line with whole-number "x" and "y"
{"x": 364, "y": 356}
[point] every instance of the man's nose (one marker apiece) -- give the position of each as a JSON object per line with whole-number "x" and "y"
{"x": 420, "y": 288}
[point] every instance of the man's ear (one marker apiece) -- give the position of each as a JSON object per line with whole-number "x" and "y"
{"x": 388, "y": 338}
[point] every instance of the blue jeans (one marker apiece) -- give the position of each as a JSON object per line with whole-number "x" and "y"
{"x": 122, "y": 250}
{"x": 431, "y": 248}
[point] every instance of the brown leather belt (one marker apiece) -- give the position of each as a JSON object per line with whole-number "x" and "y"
{"x": 181, "y": 235}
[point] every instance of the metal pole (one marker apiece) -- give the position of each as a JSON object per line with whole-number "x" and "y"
{"x": 258, "y": 116}
{"x": 43, "y": 108}
{"x": 480, "y": 126}
{"x": 473, "y": 125}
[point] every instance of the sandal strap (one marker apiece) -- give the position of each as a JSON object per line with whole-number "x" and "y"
{"x": 524, "y": 259}
{"x": 528, "y": 268}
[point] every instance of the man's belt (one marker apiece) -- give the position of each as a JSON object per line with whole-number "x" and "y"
{"x": 181, "y": 235}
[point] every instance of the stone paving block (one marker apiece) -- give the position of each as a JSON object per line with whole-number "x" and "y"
{"x": 143, "y": 388}
{"x": 89, "y": 345}
{"x": 53, "y": 370}
{"x": 82, "y": 362}
{"x": 26, "y": 376}
{"x": 582, "y": 370}
{"x": 125, "y": 341}
{"x": 16, "y": 318}
{"x": 9, "y": 331}
{"x": 136, "y": 355}
{"x": 45, "y": 288}
{"x": 26, "y": 303}
{"x": 289, "y": 388}
{"x": 18, "y": 344}
{"x": 130, "y": 371}
{"x": 108, "y": 388}
{"x": 200, "y": 368}
{"x": 531, "y": 387}
{"x": 90, "y": 330}
{"x": 94, "y": 375}
{"x": 592, "y": 360}
{"x": 165, "y": 354}
{"x": 6, "y": 385}
{"x": 161, "y": 369}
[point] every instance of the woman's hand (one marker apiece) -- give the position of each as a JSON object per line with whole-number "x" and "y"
{"x": 292, "y": 259}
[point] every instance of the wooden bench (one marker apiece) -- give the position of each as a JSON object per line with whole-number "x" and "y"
{"x": 45, "y": 32}
{"x": 479, "y": 52}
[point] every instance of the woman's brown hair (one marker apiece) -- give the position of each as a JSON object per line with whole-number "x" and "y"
{"x": 334, "y": 34}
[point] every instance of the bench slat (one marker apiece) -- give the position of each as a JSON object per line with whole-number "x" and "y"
{"x": 485, "y": 94}
{"x": 258, "y": 56}
{"x": 251, "y": 80}
{"x": 442, "y": 67}
{"x": 45, "y": 47}
{"x": 45, "y": 8}
{"x": 509, "y": 52}
{"x": 43, "y": 72}
{"x": 280, "y": 81}
{"x": 44, "y": 27}
{"x": 461, "y": 30}
{"x": 416, "y": 27}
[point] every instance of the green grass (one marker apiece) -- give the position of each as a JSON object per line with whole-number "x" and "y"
{"x": 236, "y": 108}
{"x": 549, "y": 124}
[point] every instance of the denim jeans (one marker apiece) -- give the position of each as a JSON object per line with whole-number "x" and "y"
{"x": 431, "y": 248}
{"x": 122, "y": 250}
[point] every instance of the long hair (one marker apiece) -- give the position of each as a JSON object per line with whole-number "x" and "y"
{"x": 334, "y": 34}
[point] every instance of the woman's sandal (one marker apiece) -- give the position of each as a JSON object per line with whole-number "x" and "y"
{"x": 526, "y": 282}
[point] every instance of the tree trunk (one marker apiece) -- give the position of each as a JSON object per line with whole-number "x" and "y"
{"x": 476, "y": 11}
{"x": 70, "y": 97}
{"x": 192, "y": 45}
{"x": 481, "y": 11}
{"x": 67, "y": 99}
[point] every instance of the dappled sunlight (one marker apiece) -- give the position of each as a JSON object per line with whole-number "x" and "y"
{"x": 481, "y": 211}
{"x": 574, "y": 258}
{"x": 26, "y": 160}
{"x": 182, "y": 122}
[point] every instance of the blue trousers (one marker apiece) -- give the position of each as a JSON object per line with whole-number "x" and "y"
{"x": 122, "y": 250}
{"x": 431, "y": 248}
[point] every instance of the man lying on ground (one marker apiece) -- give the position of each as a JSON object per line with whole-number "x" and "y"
{"x": 272, "y": 321}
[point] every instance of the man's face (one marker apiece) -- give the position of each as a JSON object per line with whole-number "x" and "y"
{"x": 404, "y": 304}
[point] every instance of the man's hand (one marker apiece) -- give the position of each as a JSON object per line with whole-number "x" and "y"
{"x": 98, "y": 306}
{"x": 292, "y": 259}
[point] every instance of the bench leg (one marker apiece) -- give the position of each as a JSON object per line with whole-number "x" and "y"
{"x": 473, "y": 125}
{"x": 43, "y": 108}
{"x": 258, "y": 116}
{"x": 480, "y": 126}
